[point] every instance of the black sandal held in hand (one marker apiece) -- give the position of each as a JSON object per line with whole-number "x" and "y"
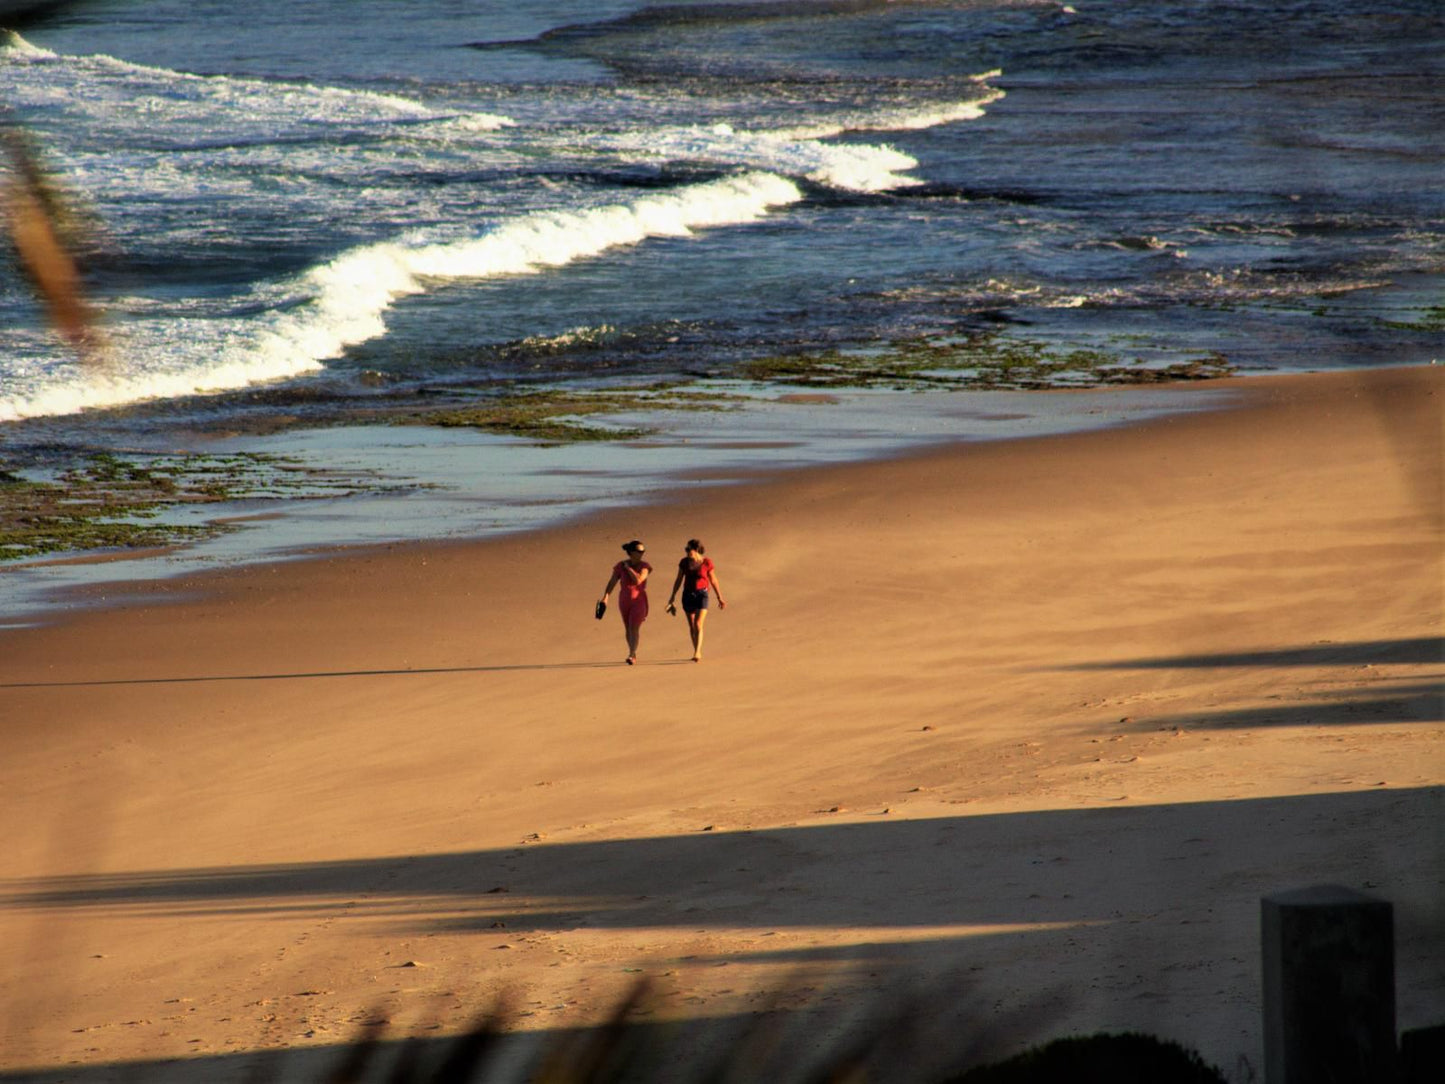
{"x": 601, "y": 609}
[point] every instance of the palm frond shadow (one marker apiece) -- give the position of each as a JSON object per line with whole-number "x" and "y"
{"x": 1420, "y": 650}
{"x": 917, "y": 1040}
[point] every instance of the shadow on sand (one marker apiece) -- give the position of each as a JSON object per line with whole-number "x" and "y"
{"x": 1423, "y": 650}
{"x": 1140, "y": 911}
{"x": 1049, "y": 867}
{"x": 892, "y": 1043}
{"x": 1375, "y": 698}
{"x": 1423, "y": 703}
{"x": 418, "y": 671}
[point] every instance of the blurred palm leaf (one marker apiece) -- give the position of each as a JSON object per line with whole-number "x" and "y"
{"x": 36, "y": 223}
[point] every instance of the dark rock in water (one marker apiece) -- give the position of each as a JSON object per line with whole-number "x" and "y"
{"x": 18, "y": 14}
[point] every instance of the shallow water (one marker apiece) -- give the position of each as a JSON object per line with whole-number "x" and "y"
{"x": 438, "y": 484}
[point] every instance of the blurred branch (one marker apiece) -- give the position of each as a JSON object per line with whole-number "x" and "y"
{"x": 34, "y": 217}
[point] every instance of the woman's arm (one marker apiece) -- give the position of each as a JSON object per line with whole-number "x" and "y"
{"x": 638, "y": 575}
{"x": 717, "y": 588}
{"x": 607, "y": 591}
{"x": 677, "y": 585}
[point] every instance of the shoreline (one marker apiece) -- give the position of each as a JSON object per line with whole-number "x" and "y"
{"x": 1045, "y": 717}
{"x": 428, "y": 484}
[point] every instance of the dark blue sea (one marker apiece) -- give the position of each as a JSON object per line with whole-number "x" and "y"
{"x": 313, "y": 212}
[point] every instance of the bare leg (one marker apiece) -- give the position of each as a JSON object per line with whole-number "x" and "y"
{"x": 694, "y": 626}
{"x": 634, "y": 634}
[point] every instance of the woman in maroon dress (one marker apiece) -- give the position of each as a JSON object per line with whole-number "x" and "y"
{"x": 631, "y": 574}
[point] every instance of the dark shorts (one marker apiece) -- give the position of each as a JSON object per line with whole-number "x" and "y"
{"x": 693, "y": 601}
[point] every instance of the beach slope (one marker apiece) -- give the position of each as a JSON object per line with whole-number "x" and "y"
{"x": 1024, "y": 728}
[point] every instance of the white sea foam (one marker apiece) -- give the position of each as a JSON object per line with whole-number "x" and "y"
{"x": 14, "y": 47}
{"x": 585, "y": 335}
{"x": 801, "y": 151}
{"x": 855, "y": 167}
{"x": 895, "y": 120}
{"x": 72, "y": 389}
{"x": 218, "y": 149}
{"x": 347, "y": 298}
{"x": 177, "y": 105}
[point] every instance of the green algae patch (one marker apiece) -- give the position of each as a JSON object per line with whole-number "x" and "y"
{"x": 110, "y": 502}
{"x": 562, "y": 417}
{"x": 537, "y": 422}
{"x": 1431, "y": 319}
{"x": 986, "y": 360}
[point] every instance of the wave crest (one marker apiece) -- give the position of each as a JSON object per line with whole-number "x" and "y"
{"x": 347, "y": 297}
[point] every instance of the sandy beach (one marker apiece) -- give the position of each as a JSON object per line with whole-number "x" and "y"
{"x": 1021, "y": 729}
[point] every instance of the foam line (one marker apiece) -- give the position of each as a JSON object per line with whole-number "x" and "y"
{"x": 178, "y": 96}
{"x": 349, "y": 296}
{"x": 801, "y": 151}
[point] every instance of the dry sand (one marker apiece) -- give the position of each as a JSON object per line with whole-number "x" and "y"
{"x": 1024, "y": 729}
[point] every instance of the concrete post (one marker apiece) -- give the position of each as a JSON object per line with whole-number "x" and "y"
{"x": 1329, "y": 987}
{"x": 1422, "y": 1055}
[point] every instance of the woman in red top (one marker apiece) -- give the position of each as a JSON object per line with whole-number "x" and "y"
{"x": 697, "y": 576}
{"x": 632, "y": 598}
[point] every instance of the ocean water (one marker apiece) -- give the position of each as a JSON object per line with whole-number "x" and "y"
{"x": 324, "y": 210}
